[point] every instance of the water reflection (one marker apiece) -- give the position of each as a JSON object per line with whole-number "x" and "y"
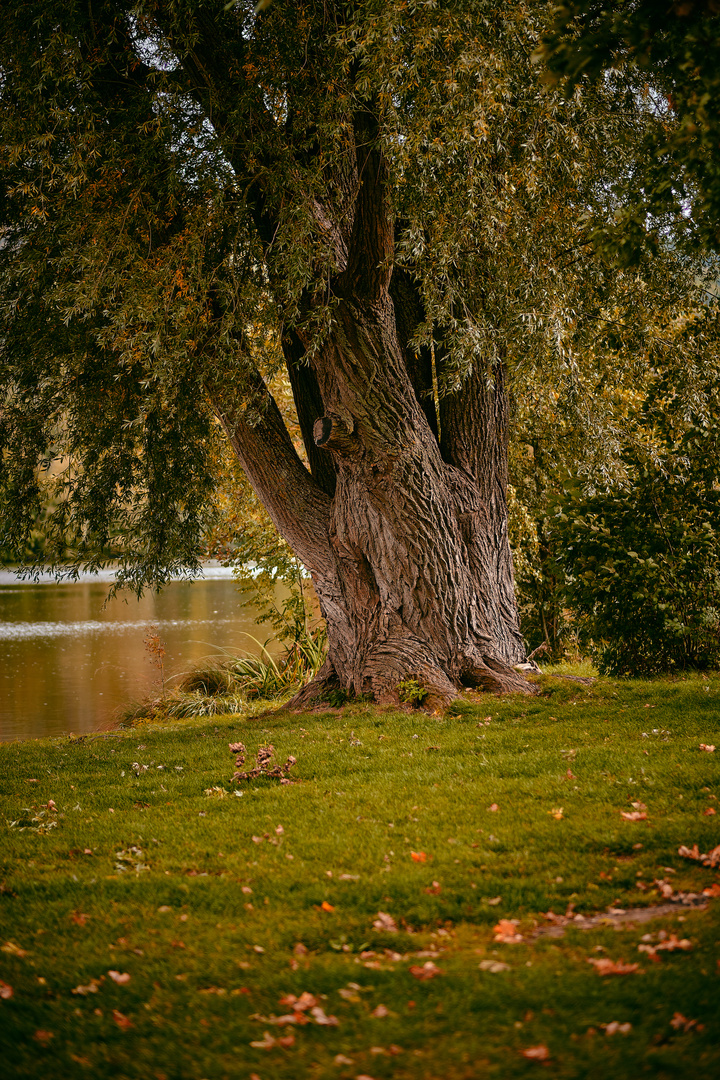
{"x": 67, "y": 661}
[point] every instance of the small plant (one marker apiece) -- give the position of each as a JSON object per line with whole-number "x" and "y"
{"x": 264, "y": 766}
{"x": 411, "y": 692}
{"x": 155, "y": 648}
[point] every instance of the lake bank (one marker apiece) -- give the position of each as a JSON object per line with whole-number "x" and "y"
{"x": 68, "y": 661}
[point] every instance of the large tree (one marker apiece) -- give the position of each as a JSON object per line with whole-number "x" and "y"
{"x": 383, "y": 197}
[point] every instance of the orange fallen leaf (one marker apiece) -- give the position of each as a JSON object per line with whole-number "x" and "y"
{"x": 712, "y": 890}
{"x": 13, "y": 950}
{"x": 633, "y": 815}
{"x": 327, "y": 907}
{"x": 710, "y": 811}
{"x": 710, "y": 749}
{"x": 427, "y": 971}
{"x": 435, "y": 889}
{"x": 556, "y": 812}
{"x": 79, "y": 918}
{"x": 506, "y": 931}
{"x": 299, "y": 1004}
{"x": 681, "y": 1023}
{"x": 493, "y": 807}
{"x": 43, "y": 1037}
{"x": 418, "y": 856}
{"x": 606, "y": 966}
{"x": 119, "y": 977}
{"x": 536, "y": 1053}
{"x": 6, "y": 991}
{"x": 122, "y": 1021}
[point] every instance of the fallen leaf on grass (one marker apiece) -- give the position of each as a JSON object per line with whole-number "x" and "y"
{"x": 299, "y": 1004}
{"x": 681, "y": 1023}
{"x": 418, "y": 856}
{"x": 91, "y": 988}
{"x": 633, "y": 815}
{"x": 493, "y": 901}
{"x": 79, "y": 918}
{"x": 268, "y": 1041}
{"x": 427, "y": 971}
{"x": 493, "y": 966}
{"x": 340, "y": 1059}
{"x": 711, "y": 859}
{"x": 380, "y": 1011}
{"x": 614, "y": 1026}
{"x": 385, "y": 922}
{"x": 327, "y": 907}
{"x": 506, "y": 931}
{"x": 13, "y": 949}
{"x": 435, "y": 889}
{"x": 123, "y": 1022}
{"x": 556, "y": 812}
{"x": 119, "y": 977}
{"x": 605, "y": 966}
{"x": 710, "y": 749}
{"x": 493, "y": 807}
{"x": 712, "y": 890}
{"x": 710, "y": 811}
{"x": 319, "y": 1016}
{"x": 6, "y": 991}
{"x": 536, "y": 1053}
{"x": 43, "y": 1037}
{"x": 671, "y": 944}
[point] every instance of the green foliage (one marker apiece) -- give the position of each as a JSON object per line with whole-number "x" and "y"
{"x": 411, "y": 692}
{"x": 642, "y": 558}
{"x": 673, "y": 53}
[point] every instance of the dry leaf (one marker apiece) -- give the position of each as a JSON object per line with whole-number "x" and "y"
{"x": 300, "y": 949}
{"x": 340, "y": 1059}
{"x": 79, "y": 918}
{"x": 556, "y": 812}
{"x": 299, "y": 1004}
{"x": 43, "y": 1037}
{"x": 122, "y": 1021}
{"x": 13, "y": 950}
{"x": 427, "y": 971}
{"x": 418, "y": 856}
{"x": 605, "y": 966}
{"x": 493, "y": 807}
{"x": 506, "y": 931}
{"x": 265, "y": 1043}
{"x": 493, "y": 966}
{"x": 385, "y": 922}
{"x": 710, "y": 811}
{"x": 712, "y": 890}
{"x": 614, "y": 1026}
{"x": 493, "y": 901}
{"x": 681, "y": 1023}
{"x": 380, "y": 1011}
{"x": 435, "y": 889}
{"x": 633, "y": 815}
{"x": 536, "y": 1053}
{"x": 318, "y": 1015}
{"x": 711, "y": 859}
{"x": 6, "y": 991}
{"x": 91, "y": 988}
{"x": 119, "y": 977}
{"x": 710, "y": 749}
{"x": 327, "y": 907}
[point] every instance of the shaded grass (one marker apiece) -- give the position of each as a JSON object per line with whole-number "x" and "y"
{"x": 373, "y": 786}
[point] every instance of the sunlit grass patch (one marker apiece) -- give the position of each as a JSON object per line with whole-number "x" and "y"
{"x": 219, "y": 905}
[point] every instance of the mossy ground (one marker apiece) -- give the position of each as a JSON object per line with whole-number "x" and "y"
{"x": 371, "y": 787}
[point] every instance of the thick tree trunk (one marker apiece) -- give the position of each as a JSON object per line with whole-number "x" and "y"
{"x": 422, "y": 585}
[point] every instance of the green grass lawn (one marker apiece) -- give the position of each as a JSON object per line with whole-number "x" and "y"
{"x": 219, "y": 907}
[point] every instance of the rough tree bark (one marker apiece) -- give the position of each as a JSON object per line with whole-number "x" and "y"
{"x": 404, "y": 533}
{"x": 409, "y": 554}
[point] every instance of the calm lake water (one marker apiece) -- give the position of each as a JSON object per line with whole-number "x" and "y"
{"x": 67, "y": 662}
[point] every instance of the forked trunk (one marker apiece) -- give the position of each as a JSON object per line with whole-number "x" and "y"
{"x": 409, "y": 557}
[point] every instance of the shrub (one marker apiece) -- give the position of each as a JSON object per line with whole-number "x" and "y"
{"x": 642, "y": 559}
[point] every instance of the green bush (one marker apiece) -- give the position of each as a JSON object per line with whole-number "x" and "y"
{"x": 642, "y": 559}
